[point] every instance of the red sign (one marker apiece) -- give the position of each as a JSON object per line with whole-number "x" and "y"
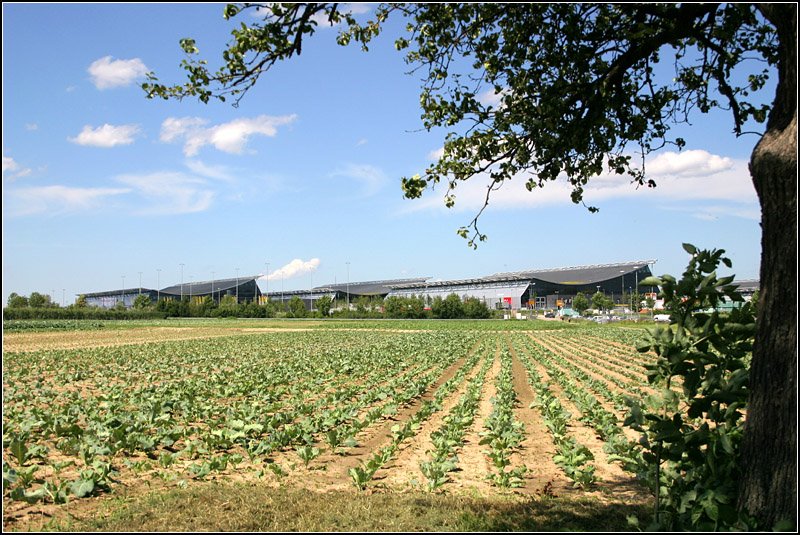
{"x": 507, "y": 300}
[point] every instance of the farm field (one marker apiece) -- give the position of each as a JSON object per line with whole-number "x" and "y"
{"x": 493, "y": 421}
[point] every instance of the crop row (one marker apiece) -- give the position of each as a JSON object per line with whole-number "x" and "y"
{"x": 205, "y": 402}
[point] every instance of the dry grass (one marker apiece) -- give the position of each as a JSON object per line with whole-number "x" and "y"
{"x": 226, "y": 507}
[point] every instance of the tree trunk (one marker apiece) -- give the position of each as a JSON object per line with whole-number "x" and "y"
{"x": 768, "y": 488}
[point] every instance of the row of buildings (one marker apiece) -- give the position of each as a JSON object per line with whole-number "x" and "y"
{"x": 539, "y": 289}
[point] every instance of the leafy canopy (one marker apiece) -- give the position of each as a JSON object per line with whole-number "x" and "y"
{"x": 573, "y": 87}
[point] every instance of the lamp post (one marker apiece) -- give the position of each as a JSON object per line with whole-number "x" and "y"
{"x": 622, "y": 286}
{"x": 267, "y": 280}
{"x": 348, "y": 286}
{"x": 534, "y": 295}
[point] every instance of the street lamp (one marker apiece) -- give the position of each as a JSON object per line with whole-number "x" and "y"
{"x": 267, "y": 280}
{"x": 534, "y": 295}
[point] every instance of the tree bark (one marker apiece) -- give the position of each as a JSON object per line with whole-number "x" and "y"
{"x": 768, "y": 488}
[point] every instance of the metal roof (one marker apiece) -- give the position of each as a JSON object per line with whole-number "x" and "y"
{"x": 126, "y": 291}
{"x": 205, "y": 287}
{"x": 747, "y": 285}
{"x": 368, "y": 288}
{"x": 576, "y": 275}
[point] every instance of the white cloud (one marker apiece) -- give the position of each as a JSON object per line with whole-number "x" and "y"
{"x": 216, "y": 172}
{"x": 293, "y": 269}
{"x": 688, "y": 163}
{"x": 9, "y": 165}
{"x": 690, "y": 176}
{"x": 56, "y": 200}
{"x": 354, "y": 9}
{"x": 230, "y": 137}
{"x": 13, "y": 169}
{"x": 361, "y": 142}
{"x": 492, "y": 98}
{"x": 170, "y": 193}
{"x": 107, "y": 73}
{"x": 31, "y": 127}
{"x": 436, "y": 155}
{"x": 106, "y": 136}
{"x": 371, "y": 178}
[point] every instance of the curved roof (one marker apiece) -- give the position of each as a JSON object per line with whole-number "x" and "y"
{"x": 205, "y": 287}
{"x": 577, "y": 275}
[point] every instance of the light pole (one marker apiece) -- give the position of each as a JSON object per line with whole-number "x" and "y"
{"x": 534, "y": 295}
{"x": 182, "y": 282}
{"x": 622, "y": 286}
{"x": 158, "y": 285}
{"x": 348, "y": 286}
{"x": 268, "y": 281}
{"x": 212, "y": 286}
{"x": 123, "y": 290}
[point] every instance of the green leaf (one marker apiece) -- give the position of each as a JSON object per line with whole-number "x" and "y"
{"x": 689, "y": 248}
{"x": 82, "y": 487}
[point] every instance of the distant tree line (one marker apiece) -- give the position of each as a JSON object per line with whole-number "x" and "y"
{"x": 41, "y": 306}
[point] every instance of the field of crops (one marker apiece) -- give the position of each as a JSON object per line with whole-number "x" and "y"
{"x": 358, "y": 408}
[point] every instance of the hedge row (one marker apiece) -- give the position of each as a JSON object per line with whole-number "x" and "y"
{"x": 73, "y": 313}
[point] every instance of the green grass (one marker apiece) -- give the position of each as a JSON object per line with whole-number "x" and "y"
{"x": 223, "y": 507}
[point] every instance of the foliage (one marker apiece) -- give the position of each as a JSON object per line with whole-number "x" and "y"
{"x": 296, "y": 308}
{"x": 17, "y": 301}
{"x": 474, "y": 308}
{"x": 324, "y": 305}
{"x": 580, "y": 303}
{"x": 37, "y": 300}
{"x": 602, "y": 302}
{"x": 142, "y": 302}
{"x": 580, "y": 110}
{"x": 692, "y": 428}
{"x": 74, "y": 313}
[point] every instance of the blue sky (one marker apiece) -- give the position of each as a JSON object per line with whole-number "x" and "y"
{"x": 100, "y": 183}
